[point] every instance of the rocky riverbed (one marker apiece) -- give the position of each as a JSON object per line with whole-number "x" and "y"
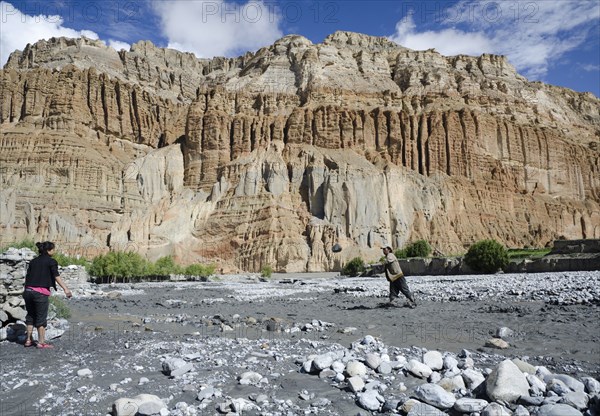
{"x": 512, "y": 344}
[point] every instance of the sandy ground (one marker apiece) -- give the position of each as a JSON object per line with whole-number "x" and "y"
{"x": 125, "y": 337}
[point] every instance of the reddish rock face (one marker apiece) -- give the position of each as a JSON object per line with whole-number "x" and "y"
{"x": 274, "y": 157}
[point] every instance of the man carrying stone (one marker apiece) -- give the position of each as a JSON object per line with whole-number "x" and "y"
{"x": 394, "y": 275}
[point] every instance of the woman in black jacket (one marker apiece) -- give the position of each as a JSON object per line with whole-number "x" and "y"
{"x": 42, "y": 274}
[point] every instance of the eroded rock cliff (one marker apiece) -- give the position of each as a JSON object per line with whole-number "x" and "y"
{"x": 272, "y": 157}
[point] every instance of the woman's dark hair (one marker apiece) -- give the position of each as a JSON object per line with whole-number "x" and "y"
{"x": 45, "y": 247}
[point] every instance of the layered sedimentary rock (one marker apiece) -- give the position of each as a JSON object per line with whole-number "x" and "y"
{"x": 271, "y": 158}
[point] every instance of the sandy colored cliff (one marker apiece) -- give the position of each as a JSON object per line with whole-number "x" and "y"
{"x": 272, "y": 157}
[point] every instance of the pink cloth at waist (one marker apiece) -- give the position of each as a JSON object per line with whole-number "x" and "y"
{"x": 42, "y": 290}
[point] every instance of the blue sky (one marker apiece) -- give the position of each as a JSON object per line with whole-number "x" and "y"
{"x": 555, "y": 41}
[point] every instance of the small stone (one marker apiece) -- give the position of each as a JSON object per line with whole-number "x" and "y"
{"x": 390, "y": 405}
{"x": 368, "y": 340}
{"x": 558, "y": 387}
{"x": 433, "y": 360}
{"x": 307, "y": 366}
{"x": 321, "y": 362}
{"x": 176, "y": 367}
{"x": 418, "y": 369}
{"x": 466, "y": 363}
{"x": 356, "y": 384}
{"x": 524, "y": 366}
{"x": 143, "y": 380}
{"x": 592, "y": 386}
{"x": 531, "y": 400}
{"x": 250, "y": 377}
{"x": 576, "y": 399}
{"x": 262, "y": 398}
{"x": 347, "y": 330}
{"x": 385, "y": 367}
{"x": 84, "y": 372}
{"x": 206, "y": 393}
{"x": 435, "y": 395}
{"x": 497, "y": 343}
{"x": 495, "y": 409}
{"x": 558, "y": 410}
{"x": 327, "y": 373}
{"x": 370, "y": 400}
{"x": 535, "y": 383}
{"x": 521, "y": 411}
{"x": 321, "y": 402}
{"x": 570, "y": 382}
{"x": 452, "y": 383}
{"x": 338, "y": 367}
{"x": 473, "y": 378}
{"x": 373, "y": 360}
{"x": 355, "y": 368}
{"x": 435, "y": 377}
{"x": 504, "y": 332}
{"x": 468, "y": 405}
{"x": 450, "y": 362}
{"x": 422, "y": 409}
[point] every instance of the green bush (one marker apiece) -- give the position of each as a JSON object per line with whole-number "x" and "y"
{"x": 419, "y": 248}
{"x": 166, "y": 266}
{"x": 400, "y": 253}
{"x": 25, "y": 243}
{"x": 528, "y": 253}
{"x": 117, "y": 264}
{"x": 64, "y": 260}
{"x": 199, "y": 270}
{"x": 266, "y": 271}
{"x": 62, "y": 310}
{"x": 487, "y": 256}
{"x": 354, "y": 267}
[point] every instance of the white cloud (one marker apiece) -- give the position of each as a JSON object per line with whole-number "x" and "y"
{"x": 118, "y": 45}
{"x": 18, "y": 29}
{"x": 217, "y": 27}
{"x": 590, "y": 67}
{"x": 531, "y": 34}
{"x": 446, "y": 41}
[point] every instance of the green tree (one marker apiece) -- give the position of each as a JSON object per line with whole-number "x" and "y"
{"x": 118, "y": 264}
{"x": 166, "y": 266}
{"x": 200, "y": 270}
{"x": 487, "y": 256}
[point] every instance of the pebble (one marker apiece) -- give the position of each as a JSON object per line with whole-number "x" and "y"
{"x": 422, "y": 409}
{"x": 250, "y": 377}
{"x": 373, "y": 360}
{"x": 504, "y": 332}
{"x": 495, "y": 409}
{"x": 558, "y": 410}
{"x": 355, "y": 368}
{"x": 497, "y": 343}
{"x": 176, "y": 367}
{"x": 323, "y": 361}
{"x": 418, "y": 369}
{"x": 84, "y": 372}
{"x": 435, "y": 395}
{"x": 370, "y": 400}
{"x": 356, "y": 384}
{"x": 468, "y": 405}
{"x": 433, "y": 360}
